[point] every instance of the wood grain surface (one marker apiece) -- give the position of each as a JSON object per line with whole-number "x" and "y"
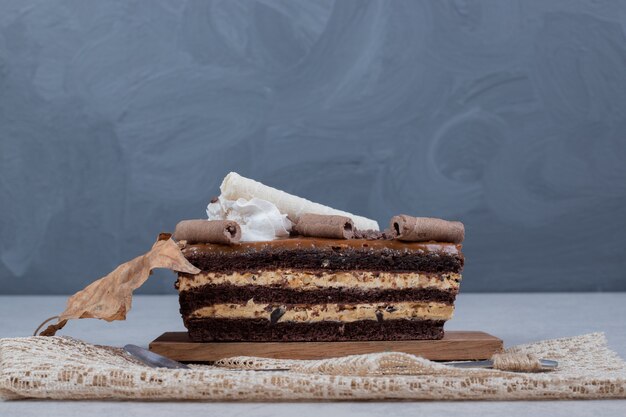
{"x": 456, "y": 345}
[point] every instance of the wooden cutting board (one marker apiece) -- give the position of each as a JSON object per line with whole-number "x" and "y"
{"x": 456, "y": 345}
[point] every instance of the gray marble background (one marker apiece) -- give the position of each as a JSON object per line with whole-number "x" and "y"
{"x": 119, "y": 118}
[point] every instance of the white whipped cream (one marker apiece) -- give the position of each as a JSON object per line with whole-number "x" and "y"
{"x": 259, "y": 219}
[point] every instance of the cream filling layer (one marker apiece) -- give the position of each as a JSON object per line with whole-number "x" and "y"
{"x": 303, "y": 280}
{"x": 328, "y": 312}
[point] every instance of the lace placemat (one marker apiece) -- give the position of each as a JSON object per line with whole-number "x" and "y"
{"x": 63, "y": 368}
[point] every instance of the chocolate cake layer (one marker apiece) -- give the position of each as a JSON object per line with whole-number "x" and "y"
{"x": 261, "y": 330}
{"x": 196, "y": 298}
{"x": 327, "y": 254}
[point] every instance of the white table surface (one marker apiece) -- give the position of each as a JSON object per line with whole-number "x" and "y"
{"x": 516, "y": 318}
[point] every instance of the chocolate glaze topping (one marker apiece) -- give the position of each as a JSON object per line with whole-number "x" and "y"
{"x": 299, "y": 243}
{"x": 327, "y": 254}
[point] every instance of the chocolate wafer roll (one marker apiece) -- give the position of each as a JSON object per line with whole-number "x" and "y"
{"x": 326, "y": 226}
{"x": 422, "y": 229}
{"x": 208, "y": 231}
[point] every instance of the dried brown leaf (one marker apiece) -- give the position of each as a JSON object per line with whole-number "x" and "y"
{"x": 110, "y": 297}
{"x": 52, "y": 329}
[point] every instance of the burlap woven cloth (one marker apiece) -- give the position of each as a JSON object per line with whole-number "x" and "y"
{"x": 63, "y": 368}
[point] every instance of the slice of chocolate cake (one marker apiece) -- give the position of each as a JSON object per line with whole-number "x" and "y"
{"x": 276, "y": 267}
{"x": 319, "y": 289}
